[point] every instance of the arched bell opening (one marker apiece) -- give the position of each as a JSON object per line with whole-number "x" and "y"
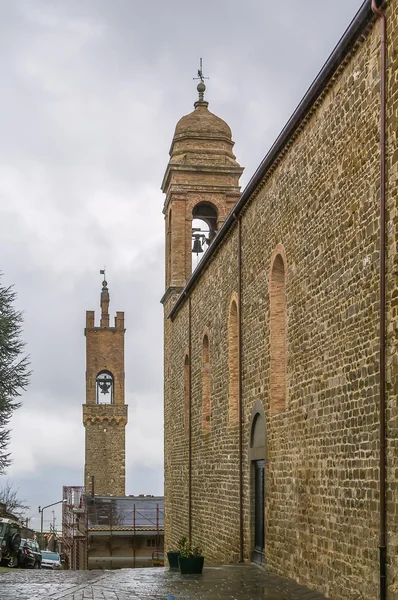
{"x": 204, "y": 229}
{"x": 105, "y": 385}
{"x": 257, "y": 455}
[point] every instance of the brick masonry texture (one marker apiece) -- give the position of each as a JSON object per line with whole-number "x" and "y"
{"x": 105, "y": 423}
{"x": 320, "y": 203}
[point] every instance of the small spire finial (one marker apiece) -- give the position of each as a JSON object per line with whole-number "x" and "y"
{"x": 104, "y": 301}
{"x": 104, "y": 282}
{"x": 201, "y": 85}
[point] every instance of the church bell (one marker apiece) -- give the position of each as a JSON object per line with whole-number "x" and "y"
{"x": 197, "y": 245}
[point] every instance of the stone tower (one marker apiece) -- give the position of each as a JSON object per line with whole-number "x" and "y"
{"x": 201, "y": 182}
{"x": 105, "y": 413}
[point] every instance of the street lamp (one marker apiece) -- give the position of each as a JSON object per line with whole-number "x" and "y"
{"x": 41, "y": 509}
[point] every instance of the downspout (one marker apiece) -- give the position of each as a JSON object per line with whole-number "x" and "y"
{"x": 382, "y": 323}
{"x": 240, "y": 388}
{"x": 189, "y": 424}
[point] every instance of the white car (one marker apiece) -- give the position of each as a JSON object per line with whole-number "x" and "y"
{"x": 50, "y": 560}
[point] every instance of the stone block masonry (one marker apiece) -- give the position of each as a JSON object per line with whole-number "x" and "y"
{"x": 317, "y": 373}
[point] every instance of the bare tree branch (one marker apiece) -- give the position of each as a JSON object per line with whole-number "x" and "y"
{"x": 13, "y": 504}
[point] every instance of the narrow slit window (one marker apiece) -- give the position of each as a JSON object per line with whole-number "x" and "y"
{"x": 277, "y": 293}
{"x": 186, "y": 394}
{"x": 233, "y": 358}
{"x": 206, "y": 403}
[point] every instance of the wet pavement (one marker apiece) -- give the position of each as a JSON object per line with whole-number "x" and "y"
{"x": 231, "y": 582}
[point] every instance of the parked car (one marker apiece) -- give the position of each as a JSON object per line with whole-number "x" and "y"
{"x": 10, "y": 539}
{"x": 29, "y": 554}
{"x": 50, "y": 560}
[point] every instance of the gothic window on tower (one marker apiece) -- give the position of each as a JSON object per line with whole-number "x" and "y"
{"x": 104, "y": 388}
{"x": 204, "y": 229}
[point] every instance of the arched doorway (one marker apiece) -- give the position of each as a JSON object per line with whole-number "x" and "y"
{"x": 257, "y": 459}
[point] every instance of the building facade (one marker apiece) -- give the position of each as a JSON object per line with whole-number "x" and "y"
{"x": 105, "y": 413}
{"x": 281, "y": 362}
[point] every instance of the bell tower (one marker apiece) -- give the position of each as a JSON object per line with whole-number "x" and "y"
{"x": 201, "y": 185}
{"x": 105, "y": 413}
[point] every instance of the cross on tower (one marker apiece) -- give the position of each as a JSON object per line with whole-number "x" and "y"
{"x": 201, "y": 86}
{"x": 200, "y": 73}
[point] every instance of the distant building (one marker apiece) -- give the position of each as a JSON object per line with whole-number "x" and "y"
{"x": 101, "y": 527}
{"x": 105, "y": 413}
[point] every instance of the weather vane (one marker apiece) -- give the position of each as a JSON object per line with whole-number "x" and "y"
{"x": 201, "y": 86}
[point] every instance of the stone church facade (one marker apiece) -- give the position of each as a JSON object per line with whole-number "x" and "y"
{"x": 275, "y": 370}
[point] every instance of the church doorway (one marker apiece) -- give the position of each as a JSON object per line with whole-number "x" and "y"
{"x": 257, "y": 460}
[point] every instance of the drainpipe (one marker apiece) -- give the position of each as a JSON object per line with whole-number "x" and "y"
{"x": 382, "y": 324}
{"x": 189, "y": 424}
{"x": 240, "y": 395}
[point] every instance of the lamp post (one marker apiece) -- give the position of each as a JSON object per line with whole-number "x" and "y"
{"x": 41, "y": 509}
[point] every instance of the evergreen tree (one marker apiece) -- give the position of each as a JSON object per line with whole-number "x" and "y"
{"x": 14, "y": 374}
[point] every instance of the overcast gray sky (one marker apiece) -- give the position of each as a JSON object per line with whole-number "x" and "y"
{"x": 91, "y": 93}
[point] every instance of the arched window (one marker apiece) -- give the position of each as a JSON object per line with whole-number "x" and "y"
{"x": 233, "y": 360}
{"x": 277, "y": 298}
{"x": 186, "y": 394}
{"x": 204, "y": 228}
{"x": 104, "y": 384}
{"x": 206, "y": 403}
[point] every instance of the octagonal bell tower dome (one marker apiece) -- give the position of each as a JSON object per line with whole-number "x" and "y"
{"x": 201, "y": 183}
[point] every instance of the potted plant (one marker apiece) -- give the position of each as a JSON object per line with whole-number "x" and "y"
{"x": 190, "y": 560}
{"x": 173, "y": 555}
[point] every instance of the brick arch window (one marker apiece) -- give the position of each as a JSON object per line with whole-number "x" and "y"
{"x": 233, "y": 358}
{"x": 277, "y": 297}
{"x": 206, "y": 402}
{"x": 104, "y": 385}
{"x": 186, "y": 394}
{"x": 204, "y": 229}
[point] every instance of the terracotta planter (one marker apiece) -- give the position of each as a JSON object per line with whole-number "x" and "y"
{"x": 172, "y": 557}
{"x": 191, "y": 566}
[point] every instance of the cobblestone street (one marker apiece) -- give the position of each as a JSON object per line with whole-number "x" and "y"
{"x": 235, "y": 582}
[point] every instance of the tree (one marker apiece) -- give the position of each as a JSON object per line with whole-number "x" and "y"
{"x": 13, "y": 505}
{"x": 14, "y": 374}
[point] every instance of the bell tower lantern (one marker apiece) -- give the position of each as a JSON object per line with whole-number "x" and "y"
{"x": 201, "y": 185}
{"x": 105, "y": 413}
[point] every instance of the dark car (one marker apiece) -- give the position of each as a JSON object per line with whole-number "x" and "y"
{"x": 29, "y": 555}
{"x": 10, "y": 539}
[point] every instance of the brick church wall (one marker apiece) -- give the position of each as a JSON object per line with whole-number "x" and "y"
{"x": 320, "y": 202}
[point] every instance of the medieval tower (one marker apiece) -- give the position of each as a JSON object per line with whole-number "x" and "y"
{"x": 201, "y": 183}
{"x": 105, "y": 413}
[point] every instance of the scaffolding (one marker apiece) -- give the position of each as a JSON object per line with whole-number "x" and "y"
{"x": 109, "y": 531}
{"x": 74, "y": 527}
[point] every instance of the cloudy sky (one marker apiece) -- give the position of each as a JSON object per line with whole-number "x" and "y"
{"x": 91, "y": 93}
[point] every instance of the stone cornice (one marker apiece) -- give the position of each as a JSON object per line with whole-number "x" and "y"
{"x": 213, "y": 169}
{"x": 112, "y": 414}
{"x": 171, "y": 291}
